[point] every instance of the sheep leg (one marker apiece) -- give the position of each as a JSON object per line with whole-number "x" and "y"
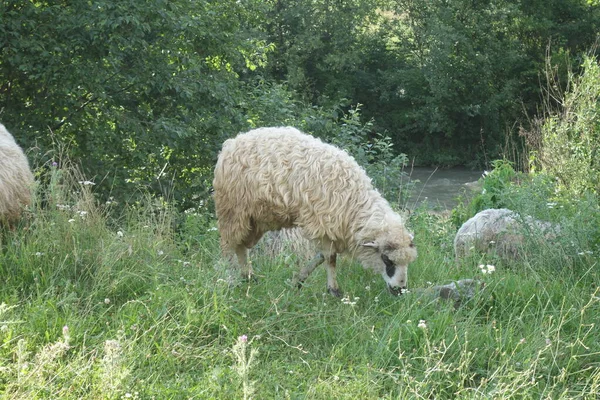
{"x": 332, "y": 286}
{"x": 242, "y": 255}
{"x": 308, "y": 269}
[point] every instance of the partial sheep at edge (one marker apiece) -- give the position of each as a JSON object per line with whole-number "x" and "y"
{"x": 16, "y": 179}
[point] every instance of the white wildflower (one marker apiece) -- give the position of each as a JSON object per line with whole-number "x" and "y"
{"x": 487, "y": 268}
{"x": 422, "y": 324}
{"x": 346, "y": 300}
{"x": 87, "y": 183}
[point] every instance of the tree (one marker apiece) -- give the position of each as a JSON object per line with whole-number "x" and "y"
{"x": 141, "y": 92}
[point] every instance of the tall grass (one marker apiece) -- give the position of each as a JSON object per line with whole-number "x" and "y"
{"x": 103, "y": 306}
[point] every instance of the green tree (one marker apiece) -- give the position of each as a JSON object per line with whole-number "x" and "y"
{"x": 142, "y": 92}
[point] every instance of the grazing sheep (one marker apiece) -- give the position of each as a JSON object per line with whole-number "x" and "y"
{"x": 16, "y": 179}
{"x": 497, "y": 230}
{"x": 273, "y": 178}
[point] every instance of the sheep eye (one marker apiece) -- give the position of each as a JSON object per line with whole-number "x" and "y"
{"x": 411, "y": 244}
{"x": 390, "y": 268}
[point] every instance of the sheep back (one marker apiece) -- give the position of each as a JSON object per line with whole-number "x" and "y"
{"x": 273, "y": 178}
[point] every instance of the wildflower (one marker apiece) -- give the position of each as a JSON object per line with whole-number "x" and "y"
{"x": 160, "y": 252}
{"x": 422, "y": 324}
{"x": 107, "y": 301}
{"x": 120, "y": 234}
{"x": 522, "y": 341}
{"x": 82, "y": 213}
{"x": 243, "y": 339}
{"x": 87, "y": 183}
{"x": 548, "y": 342}
{"x": 39, "y": 254}
{"x": 404, "y": 291}
{"x": 71, "y": 221}
{"x": 551, "y": 205}
{"x": 487, "y": 268}
{"x": 65, "y": 331}
{"x": 346, "y": 300}
{"x": 54, "y": 164}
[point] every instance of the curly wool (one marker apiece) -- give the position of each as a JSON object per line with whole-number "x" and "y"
{"x": 16, "y": 178}
{"x": 273, "y": 178}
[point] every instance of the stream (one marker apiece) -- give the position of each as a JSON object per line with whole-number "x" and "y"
{"x": 439, "y": 188}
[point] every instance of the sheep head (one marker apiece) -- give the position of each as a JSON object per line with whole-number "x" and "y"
{"x": 390, "y": 253}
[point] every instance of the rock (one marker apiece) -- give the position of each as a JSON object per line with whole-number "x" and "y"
{"x": 456, "y": 291}
{"x": 500, "y": 231}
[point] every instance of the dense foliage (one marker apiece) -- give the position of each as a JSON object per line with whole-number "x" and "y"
{"x": 143, "y": 93}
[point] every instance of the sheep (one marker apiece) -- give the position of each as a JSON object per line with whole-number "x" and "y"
{"x": 500, "y": 231}
{"x": 16, "y": 179}
{"x": 278, "y": 177}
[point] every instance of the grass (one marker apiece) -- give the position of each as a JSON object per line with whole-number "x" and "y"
{"x": 98, "y": 307}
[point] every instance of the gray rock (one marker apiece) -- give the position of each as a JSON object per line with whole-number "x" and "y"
{"x": 500, "y": 231}
{"x": 457, "y": 291}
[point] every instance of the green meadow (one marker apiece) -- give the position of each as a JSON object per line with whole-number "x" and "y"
{"x": 137, "y": 304}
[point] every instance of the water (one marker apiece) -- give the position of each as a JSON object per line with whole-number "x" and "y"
{"x": 439, "y": 188}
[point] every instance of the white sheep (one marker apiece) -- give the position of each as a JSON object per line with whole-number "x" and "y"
{"x": 500, "y": 231}
{"x": 273, "y": 178}
{"x": 16, "y": 179}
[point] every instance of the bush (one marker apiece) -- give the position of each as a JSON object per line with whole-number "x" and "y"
{"x": 570, "y": 136}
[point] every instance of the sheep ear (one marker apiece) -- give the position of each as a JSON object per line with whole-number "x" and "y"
{"x": 371, "y": 244}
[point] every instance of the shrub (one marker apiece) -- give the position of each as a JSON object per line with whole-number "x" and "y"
{"x": 570, "y": 135}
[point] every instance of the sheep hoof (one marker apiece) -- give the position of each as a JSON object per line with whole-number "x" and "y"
{"x": 249, "y": 278}
{"x": 334, "y": 292}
